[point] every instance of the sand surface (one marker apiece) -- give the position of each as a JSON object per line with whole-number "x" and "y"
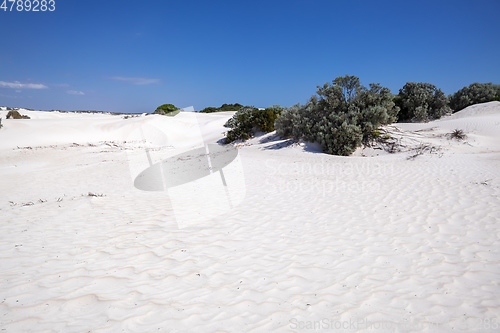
{"x": 295, "y": 241}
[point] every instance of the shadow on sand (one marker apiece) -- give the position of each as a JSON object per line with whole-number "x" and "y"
{"x": 277, "y": 143}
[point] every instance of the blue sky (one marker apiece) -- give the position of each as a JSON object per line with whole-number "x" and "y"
{"x": 131, "y": 56}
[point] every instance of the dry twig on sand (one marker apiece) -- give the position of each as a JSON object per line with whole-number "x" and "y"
{"x": 95, "y": 195}
{"x": 423, "y": 148}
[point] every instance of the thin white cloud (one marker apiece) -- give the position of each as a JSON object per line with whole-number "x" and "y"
{"x": 140, "y": 81}
{"x": 19, "y": 85}
{"x": 74, "y": 92}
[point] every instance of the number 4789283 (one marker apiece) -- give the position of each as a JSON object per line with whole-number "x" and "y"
{"x": 28, "y": 5}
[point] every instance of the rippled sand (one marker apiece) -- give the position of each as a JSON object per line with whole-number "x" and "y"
{"x": 320, "y": 242}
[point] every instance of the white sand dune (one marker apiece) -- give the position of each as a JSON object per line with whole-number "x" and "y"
{"x": 297, "y": 241}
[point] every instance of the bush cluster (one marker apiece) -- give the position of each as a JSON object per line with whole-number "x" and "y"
{"x": 340, "y": 117}
{"x": 421, "y": 102}
{"x": 344, "y": 114}
{"x": 209, "y": 109}
{"x": 223, "y": 107}
{"x": 165, "y": 109}
{"x": 14, "y": 114}
{"x": 250, "y": 120}
{"x": 473, "y": 94}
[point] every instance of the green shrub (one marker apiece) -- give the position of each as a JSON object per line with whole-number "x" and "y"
{"x": 249, "y": 120}
{"x": 341, "y": 117}
{"x": 209, "y": 109}
{"x": 165, "y": 108}
{"x": 241, "y": 126}
{"x": 233, "y": 122}
{"x": 264, "y": 119}
{"x": 14, "y": 114}
{"x": 474, "y": 94}
{"x": 230, "y": 107}
{"x": 421, "y": 102}
{"x": 224, "y": 107}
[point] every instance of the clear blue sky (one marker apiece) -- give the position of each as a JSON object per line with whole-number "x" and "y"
{"x": 131, "y": 56}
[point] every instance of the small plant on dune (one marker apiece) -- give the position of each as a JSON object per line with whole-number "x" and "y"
{"x": 250, "y": 120}
{"x": 457, "y": 134}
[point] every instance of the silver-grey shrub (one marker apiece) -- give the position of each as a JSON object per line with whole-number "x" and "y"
{"x": 473, "y": 94}
{"x": 233, "y": 121}
{"x": 340, "y": 117}
{"x": 421, "y": 102}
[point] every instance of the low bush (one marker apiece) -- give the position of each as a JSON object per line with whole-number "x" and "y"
{"x": 14, "y": 114}
{"x": 421, "y": 102}
{"x": 250, "y": 120}
{"x": 209, "y": 109}
{"x": 340, "y": 117}
{"x": 223, "y": 107}
{"x": 230, "y": 107}
{"x": 165, "y": 109}
{"x": 474, "y": 94}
